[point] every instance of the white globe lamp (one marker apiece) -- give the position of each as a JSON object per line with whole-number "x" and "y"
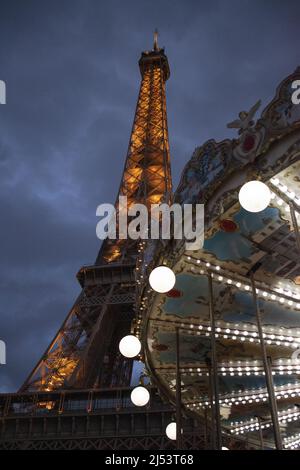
{"x": 225, "y": 448}
{"x": 140, "y": 396}
{"x": 130, "y": 346}
{"x": 162, "y": 279}
{"x": 254, "y": 196}
{"x": 171, "y": 431}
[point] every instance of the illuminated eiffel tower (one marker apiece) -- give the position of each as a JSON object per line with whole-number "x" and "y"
{"x": 78, "y": 395}
{"x": 84, "y": 353}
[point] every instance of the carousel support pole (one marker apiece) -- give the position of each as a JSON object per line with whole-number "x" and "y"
{"x": 214, "y": 365}
{"x": 247, "y": 442}
{"x": 267, "y": 364}
{"x": 212, "y": 406}
{"x": 295, "y": 225}
{"x": 261, "y": 438}
{"x": 178, "y": 394}
{"x": 205, "y": 428}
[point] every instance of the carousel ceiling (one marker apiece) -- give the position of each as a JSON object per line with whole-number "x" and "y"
{"x": 235, "y": 241}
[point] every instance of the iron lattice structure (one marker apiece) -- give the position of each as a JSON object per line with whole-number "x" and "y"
{"x": 84, "y": 353}
{"x": 102, "y": 419}
{"x": 147, "y": 174}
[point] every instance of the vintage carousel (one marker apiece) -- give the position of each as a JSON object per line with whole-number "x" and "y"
{"x": 223, "y": 345}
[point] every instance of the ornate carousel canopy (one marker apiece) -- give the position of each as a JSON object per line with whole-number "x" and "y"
{"x": 237, "y": 242}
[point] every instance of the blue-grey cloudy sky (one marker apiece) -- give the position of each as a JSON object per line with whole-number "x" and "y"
{"x": 72, "y": 80}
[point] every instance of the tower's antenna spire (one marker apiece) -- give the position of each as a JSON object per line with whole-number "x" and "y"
{"x": 155, "y": 44}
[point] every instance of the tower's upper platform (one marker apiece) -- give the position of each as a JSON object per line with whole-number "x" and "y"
{"x": 157, "y": 54}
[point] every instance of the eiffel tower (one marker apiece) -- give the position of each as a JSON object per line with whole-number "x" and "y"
{"x": 78, "y": 394}
{"x": 84, "y": 353}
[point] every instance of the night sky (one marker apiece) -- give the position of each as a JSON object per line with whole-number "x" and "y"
{"x": 72, "y": 77}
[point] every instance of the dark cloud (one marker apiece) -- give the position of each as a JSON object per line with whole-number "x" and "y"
{"x": 72, "y": 82}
